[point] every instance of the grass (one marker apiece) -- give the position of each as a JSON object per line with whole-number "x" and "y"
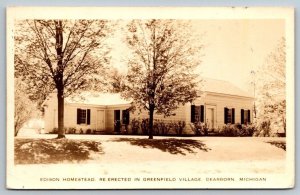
{"x": 173, "y": 146}
{"x": 40, "y": 151}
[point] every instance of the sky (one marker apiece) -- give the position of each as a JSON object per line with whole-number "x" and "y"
{"x": 232, "y": 47}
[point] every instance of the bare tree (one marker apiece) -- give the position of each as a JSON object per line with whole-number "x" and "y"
{"x": 161, "y": 71}
{"x": 61, "y": 55}
{"x": 271, "y": 93}
{"x": 24, "y": 107}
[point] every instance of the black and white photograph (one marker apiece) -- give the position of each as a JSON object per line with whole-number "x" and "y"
{"x": 150, "y": 97}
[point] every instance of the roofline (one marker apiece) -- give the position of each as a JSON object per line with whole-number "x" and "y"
{"x": 230, "y": 95}
{"x": 95, "y": 105}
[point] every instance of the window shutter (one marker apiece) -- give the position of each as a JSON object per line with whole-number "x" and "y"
{"x": 125, "y": 116}
{"x": 242, "y": 116}
{"x": 88, "y": 118}
{"x": 249, "y": 118}
{"x": 202, "y": 113}
{"x": 128, "y": 116}
{"x": 192, "y": 113}
{"x": 225, "y": 115}
{"x": 78, "y": 115}
{"x": 233, "y": 116}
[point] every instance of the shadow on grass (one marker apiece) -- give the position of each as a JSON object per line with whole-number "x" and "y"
{"x": 173, "y": 146}
{"x": 43, "y": 151}
{"x": 278, "y": 144}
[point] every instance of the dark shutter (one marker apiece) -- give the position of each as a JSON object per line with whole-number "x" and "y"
{"x": 202, "y": 113}
{"x": 117, "y": 115}
{"x": 125, "y": 116}
{"x": 242, "y": 116}
{"x": 88, "y": 118}
{"x": 233, "y": 116}
{"x": 225, "y": 115}
{"x": 128, "y": 117}
{"x": 78, "y": 115}
{"x": 193, "y": 113}
{"x": 249, "y": 118}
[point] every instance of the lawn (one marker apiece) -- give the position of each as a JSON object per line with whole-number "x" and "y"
{"x": 36, "y": 151}
{"x": 108, "y": 154}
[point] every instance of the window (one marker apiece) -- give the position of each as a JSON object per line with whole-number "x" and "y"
{"x": 125, "y": 117}
{"x": 229, "y": 115}
{"x": 197, "y": 113}
{"x": 245, "y": 116}
{"x": 83, "y": 116}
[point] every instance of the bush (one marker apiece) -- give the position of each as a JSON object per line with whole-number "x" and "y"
{"x": 88, "y": 131}
{"x": 179, "y": 127}
{"x": 237, "y": 130}
{"x": 81, "y": 131}
{"x": 229, "y": 130}
{"x": 135, "y": 126}
{"x": 165, "y": 128}
{"x": 71, "y": 130}
{"x": 54, "y": 131}
{"x": 248, "y": 130}
{"x": 200, "y": 128}
{"x": 265, "y": 129}
{"x": 161, "y": 127}
{"x": 145, "y": 126}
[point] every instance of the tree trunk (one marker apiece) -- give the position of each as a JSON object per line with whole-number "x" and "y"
{"x": 16, "y": 132}
{"x": 60, "y": 112}
{"x": 59, "y": 79}
{"x": 151, "y": 112}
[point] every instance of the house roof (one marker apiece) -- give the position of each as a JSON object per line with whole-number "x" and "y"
{"x": 104, "y": 99}
{"x": 222, "y": 87}
{"x": 107, "y": 99}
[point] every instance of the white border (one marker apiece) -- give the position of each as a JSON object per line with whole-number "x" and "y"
{"x": 279, "y": 181}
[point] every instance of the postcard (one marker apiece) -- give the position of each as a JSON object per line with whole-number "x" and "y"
{"x": 150, "y": 98}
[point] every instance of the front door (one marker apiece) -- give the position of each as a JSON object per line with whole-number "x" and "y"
{"x": 100, "y": 120}
{"x": 210, "y": 116}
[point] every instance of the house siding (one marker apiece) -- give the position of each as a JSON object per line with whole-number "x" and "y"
{"x": 221, "y": 101}
{"x": 182, "y": 113}
{"x": 179, "y": 114}
{"x": 71, "y": 117}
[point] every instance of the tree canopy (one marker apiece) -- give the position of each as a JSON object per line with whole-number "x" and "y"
{"x": 271, "y": 95}
{"x": 61, "y": 55}
{"x": 161, "y": 70}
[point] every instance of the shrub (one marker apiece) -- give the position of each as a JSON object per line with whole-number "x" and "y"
{"x": 238, "y": 126}
{"x": 81, "y": 131}
{"x": 124, "y": 129}
{"x": 161, "y": 127}
{"x": 237, "y": 130}
{"x": 88, "y": 131}
{"x": 179, "y": 127}
{"x": 248, "y": 130}
{"x": 200, "y": 128}
{"x": 144, "y": 126}
{"x": 265, "y": 129}
{"x": 71, "y": 130}
{"x": 135, "y": 126}
{"x": 164, "y": 127}
{"x": 229, "y": 130}
{"x": 54, "y": 130}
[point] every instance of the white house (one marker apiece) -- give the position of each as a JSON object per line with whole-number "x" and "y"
{"x": 220, "y": 103}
